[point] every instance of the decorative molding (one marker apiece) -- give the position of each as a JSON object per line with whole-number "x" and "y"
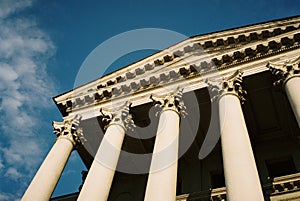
{"x": 286, "y": 184}
{"x": 218, "y": 194}
{"x": 172, "y": 101}
{"x": 217, "y": 45}
{"x": 285, "y": 71}
{"x": 119, "y": 116}
{"x": 69, "y": 129}
{"x": 228, "y": 85}
{"x": 227, "y": 51}
{"x": 280, "y": 188}
{"x": 225, "y": 62}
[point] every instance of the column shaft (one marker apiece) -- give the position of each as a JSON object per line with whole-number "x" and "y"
{"x": 292, "y": 88}
{"x": 161, "y": 185}
{"x": 241, "y": 176}
{"x": 45, "y": 180}
{"x": 99, "y": 179}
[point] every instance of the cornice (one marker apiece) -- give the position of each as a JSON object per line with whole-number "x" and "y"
{"x": 186, "y": 62}
{"x": 185, "y": 47}
{"x": 190, "y": 84}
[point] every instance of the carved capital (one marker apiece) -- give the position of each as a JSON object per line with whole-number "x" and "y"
{"x": 228, "y": 85}
{"x": 284, "y": 71}
{"x": 69, "y": 129}
{"x": 120, "y": 116}
{"x": 172, "y": 101}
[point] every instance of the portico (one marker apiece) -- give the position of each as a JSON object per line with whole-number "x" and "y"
{"x": 156, "y": 156}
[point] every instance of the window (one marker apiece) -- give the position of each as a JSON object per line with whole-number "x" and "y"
{"x": 281, "y": 166}
{"x": 217, "y": 179}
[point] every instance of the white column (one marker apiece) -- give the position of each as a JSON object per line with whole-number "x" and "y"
{"x": 162, "y": 180}
{"x": 288, "y": 74}
{"x": 241, "y": 176}
{"x": 292, "y": 88}
{"x": 100, "y": 175}
{"x": 46, "y": 178}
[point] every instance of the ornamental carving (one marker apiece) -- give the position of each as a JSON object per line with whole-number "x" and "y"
{"x": 172, "y": 101}
{"x": 69, "y": 128}
{"x": 284, "y": 71}
{"x": 228, "y": 85}
{"x": 120, "y": 116}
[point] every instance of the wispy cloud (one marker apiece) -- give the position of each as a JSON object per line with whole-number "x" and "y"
{"x": 9, "y": 7}
{"x": 5, "y": 197}
{"x": 13, "y": 173}
{"x": 25, "y": 90}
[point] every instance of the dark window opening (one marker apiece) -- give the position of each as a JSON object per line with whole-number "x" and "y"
{"x": 281, "y": 166}
{"x": 217, "y": 179}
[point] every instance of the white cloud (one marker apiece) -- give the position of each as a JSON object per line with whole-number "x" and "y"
{"x": 25, "y": 91}
{"x": 13, "y": 173}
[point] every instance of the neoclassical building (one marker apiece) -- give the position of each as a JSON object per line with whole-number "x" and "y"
{"x": 214, "y": 117}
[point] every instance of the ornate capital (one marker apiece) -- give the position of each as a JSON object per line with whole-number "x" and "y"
{"x": 285, "y": 71}
{"x": 69, "y": 129}
{"x": 228, "y": 85}
{"x": 120, "y": 116}
{"x": 172, "y": 101}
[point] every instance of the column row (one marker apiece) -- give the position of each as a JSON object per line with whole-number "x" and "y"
{"x": 241, "y": 176}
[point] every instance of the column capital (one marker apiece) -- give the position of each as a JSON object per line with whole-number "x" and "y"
{"x": 120, "y": 116}
{"x": 172, "y": 101}
{"x": 69, "y": 129}
{"x": 231, "y": 84}
{"x": 285, "y": 70}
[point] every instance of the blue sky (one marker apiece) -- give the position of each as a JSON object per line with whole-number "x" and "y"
{"x": 43, "y": 44}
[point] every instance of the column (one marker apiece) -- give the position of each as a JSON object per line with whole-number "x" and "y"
{"x": 241, "y": 176}
{"x": 162, "y": 179}
{"x": 288, "y": 75}
{"x": 100, "y": 175}
{"x": 46, "y": 178}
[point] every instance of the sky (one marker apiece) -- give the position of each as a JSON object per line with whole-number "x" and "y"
{"x": 43, "y": 45}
